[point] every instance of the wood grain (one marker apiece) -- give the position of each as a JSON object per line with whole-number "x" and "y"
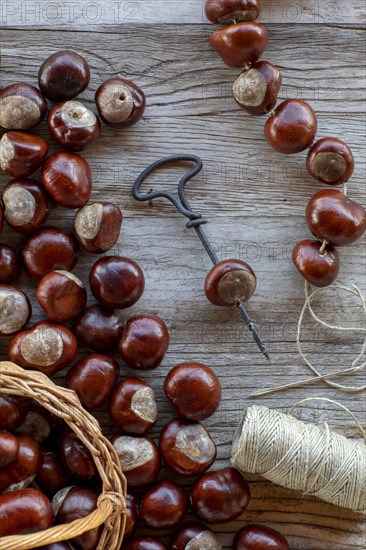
{"x": 254, "y": 200}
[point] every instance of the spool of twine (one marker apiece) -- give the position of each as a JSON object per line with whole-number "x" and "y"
{"x": 306, "y": 457}
{"x": 111, "y": 507}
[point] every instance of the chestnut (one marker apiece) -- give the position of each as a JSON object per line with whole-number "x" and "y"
{"x": 319, "y": 268}
{"x": 22, "y": 106}
{"x": 99, "y": 328}
{"x": 229, "y": 281}
{"x": 51, "y": 476}
{"x": 55, "y": 546}
{"x": 144, "y": 342}
{"x": 21, "y": 153}
{"x": 38, "y": 423}
{"x": 132, "y": 406}
{"x": 74, "y": 503}
{"x": 1, "y": 217}
{"x": 116, "y": 282}
{"x": 256, "y": 90}
{"x": 67, "y": 177}
{"x": 9, "y": 264}
{"x": 292, "y": 127}
{"x": 139, "y": 458}
{"x": 143, "y": 543}
{"x": 15, "y": 309}
{"x": 131, "y": 516}
{"x": 26, "y": 205}
{"x": 13, "y": 410}
{"x": 23, "y": 512}
{"x": 226, "y": 12}
{"x": 194, "y": 390}
{"x": 220, "y": 496}
{"x": 241, "y": 43}
{"x": 186, "y": 447}
{"x": 73, "y": 126}
{"x": 21, "y": 471}
{"x": 330, "y": 161}
{"x": 46, "y": 346}
{"x": 120, "y": 102}
{"x": 93, "y": 378}
{"x": 194, "y": 536}
{"x": 98, "y": 226}
{"x": 63, "y": 75}
{"x": 259, "y": 537}
{"x": 48, "y": 249}
{"x": 9, "y": 448}
{"x": 75, "y": 457}
{"x": 163, "y": 506}
{"x": 61, "y": 295}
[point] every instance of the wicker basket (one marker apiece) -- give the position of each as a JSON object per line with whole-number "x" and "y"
{"x": 65, "y": 404}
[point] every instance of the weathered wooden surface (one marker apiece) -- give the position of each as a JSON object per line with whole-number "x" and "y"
{"x": 254, "y": 199}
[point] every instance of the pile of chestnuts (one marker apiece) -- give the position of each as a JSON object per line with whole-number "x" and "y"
{"x": 47, "y": 476}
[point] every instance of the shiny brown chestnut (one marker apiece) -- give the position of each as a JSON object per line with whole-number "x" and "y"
{"x": 120, "y": 102}
{"x": 61, "y": 295}
{"x": 22, "y": 106}
{"x": 23, "y": 512}
{"x": 98, "y": 328}
{"x": 21, "y": 471}
{"x": 9, "y": 448}
{"x": 63, "y": 75}
{"x": 132, "y": 518}
{"x": 259, "y": 537}
{"x": 186, "y": 447}
{"x": 116, "y": 281}
{"x": 143, "y": 543}
{"x": 74, "y": 503}
{"x": 139, "y": 458}
{"x": 220, "y": 496}
{"x": 132, "y": 406}
{"x": 229, "y": 281}
{"x": 319, "y": 268}
{"x": 163, "y": 506}
{"x": 241, "y": 43}
{"x": 227, "y": 12}
{"x": 98, "y": 226}
{"x": 73, "y": 125}
{"x": 15, "y": 310}
{"x": 93, "y": 378}
{"x": 193, "y": 536}
{"x": 25, "y": 205}
{"x": 330, "y": 161}
{"x": 48, "y": 249}
{"x": 194, "y": 390}
{"x": 144, "y": 342}
{"x": 13, "y": 410}
{"x": 292, "y": 128}
{"x": 46, "y": 346}
{"x": 21, "y": 153}
{"x": 67, "y": 177}
{"x": 256, "y": 90}
{"x": 52, "y": 476}
{"x": 75, "y": 457}
{"x": 333, "y": 217}
{"x": 38, "y": 423}
{"x": 9, "y": 264}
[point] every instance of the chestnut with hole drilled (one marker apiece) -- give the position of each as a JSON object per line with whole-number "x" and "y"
{"x": 220, "y": 496}
{"x": 52, "y": 476}
{"x": 93, "y": 378}
{"x": 13, "y": 410}
{"x": 25, "y": 205}
{"x": 9, "y": 264}
{"x": 186, "y": 447}
{"x": 259, "y": 537}
{"x": 22, "y": 106}
{"x": 143, "y": 543}
{"x": 241, "y": 43}
{"x": 330, "y": 161}
{"x": 194, "y": 536}
{"x": 73, "y": 125}
{"x": 21, "y": 153}
{"x": 256, "y": 90}
{"x": 144, "y": 342}
{"x": 23, "y": 512}
{"x": 132, "y": 406}
{"x": 75, "y": 457}
{"x": 98, "y": 328}
{"x": 63, "y": 75}
{"x": 46, "y": 346}
{"x": 98, "y": 226}
{"x": 48, "y": 249}
{"x": 9, "y": 448}
{"x": 139, "y": 458}
{"x": 320, "y": 269}
{"x": 15, "y": 310}
{"x": 61, "y": 295}
{"x": 229, "y": 281}
{"x": 163, "y": 506}
{"x": 120, "y": 102}
{"x": 21, "y": 472}
{"x": 116, "y": 281}
{"x": 132, "y": 518}
{"x": 67, "y": 178}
